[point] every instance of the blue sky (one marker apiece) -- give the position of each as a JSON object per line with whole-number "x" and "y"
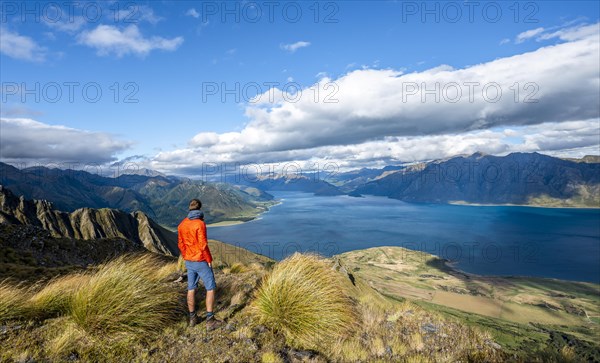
{"x": 168, "y": 52}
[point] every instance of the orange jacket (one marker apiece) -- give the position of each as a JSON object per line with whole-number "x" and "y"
{"x": 192, "y": 242}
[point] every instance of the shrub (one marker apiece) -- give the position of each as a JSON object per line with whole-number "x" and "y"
{"x": 303, "y": 298}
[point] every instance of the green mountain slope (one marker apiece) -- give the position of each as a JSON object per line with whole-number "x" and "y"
{"x": 161, "y": 198}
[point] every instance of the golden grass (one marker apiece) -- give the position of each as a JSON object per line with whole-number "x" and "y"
{"x": 13, "y": 302}
{"x": 68, "y": 337}
{"x": 237, "y": 268}
{"x": 302, "y": 298}
{"x": 125, "y": 296}
{"x": 167, "y": 270}
{"x": 55, "y": 297}
{"x": 181, "y": 264}
{"x": 270, "y": 357}
{"x": 349, "y": 350}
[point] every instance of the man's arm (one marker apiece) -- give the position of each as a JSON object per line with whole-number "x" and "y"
{"x": 180, "y": 242}
{"x": 203, "y": 241}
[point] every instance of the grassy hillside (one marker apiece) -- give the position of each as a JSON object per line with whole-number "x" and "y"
{"x": 523, "y": 314}
{"x": 303, "y": 309}
{"x": 381, "y": 304}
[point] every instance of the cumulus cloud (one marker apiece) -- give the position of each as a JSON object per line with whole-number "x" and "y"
{"x": 562, "y": 136}
{"x": 108, "y": 39}
{"x": 27, "y": 140}
{"x": 565, "y": 139}
{"x": 21, "y": 47}
{"x": 374, "y": 114}
{"x": 293, "y": 47}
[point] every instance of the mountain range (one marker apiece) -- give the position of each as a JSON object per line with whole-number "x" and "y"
{"x": 518, "y": 178}
{"x": 160, "y": 197}
{"x": 514, "y": 179}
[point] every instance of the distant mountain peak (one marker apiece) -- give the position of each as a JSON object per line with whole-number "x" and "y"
{"x": 478, "y": 154}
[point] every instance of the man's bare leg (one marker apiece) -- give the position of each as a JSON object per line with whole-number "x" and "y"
{"x": 191, "y": 300}
{"x": 210, "y": 301}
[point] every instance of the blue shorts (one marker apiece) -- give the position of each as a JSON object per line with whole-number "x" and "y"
{"x": 200, "y": 270}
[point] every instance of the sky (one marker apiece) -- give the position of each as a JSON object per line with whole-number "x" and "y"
{"x": 177, "y": 86}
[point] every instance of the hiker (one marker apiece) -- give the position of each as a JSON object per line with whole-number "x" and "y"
{"x": 193, "y": 245}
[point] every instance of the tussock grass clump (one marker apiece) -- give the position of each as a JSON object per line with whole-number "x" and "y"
{"x": 55, "y": 297}
{"x": 125, "y": 296}
{"x": 13, "y": 302}
{"x": 303, "y": 299}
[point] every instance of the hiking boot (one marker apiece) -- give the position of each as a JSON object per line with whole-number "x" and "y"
{"x": 213, "y": 323}
{"x": 193, "y": 321}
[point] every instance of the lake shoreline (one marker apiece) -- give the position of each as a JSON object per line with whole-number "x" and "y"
{"x": 234, "y": 222}
{"x": 467, "y": 204}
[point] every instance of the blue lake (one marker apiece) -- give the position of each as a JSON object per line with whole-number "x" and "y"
{"x": 527, "y": 241}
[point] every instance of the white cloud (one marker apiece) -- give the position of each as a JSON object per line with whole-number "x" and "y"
{"x": 193, "y": 13}
{"x": 574, "y": 33}
{"x": 109, "y": 39}
{"x": 504, "y": 41}
{"x": 68, "y": 25}
{"x": 293, "y": 47}
{"x": 528, "y": 35}
{"x": 572, "y": 139}
{"x": 376, "y": 116}
{"x": 21, "y": 47}
{"x": 565, "y": 33}
{"x": 27, "y": 140}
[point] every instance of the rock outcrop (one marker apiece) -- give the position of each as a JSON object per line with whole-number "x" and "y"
{"x": 87, "y": 223}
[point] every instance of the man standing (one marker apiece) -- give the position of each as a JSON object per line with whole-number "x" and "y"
{"x": 193, "y": 245}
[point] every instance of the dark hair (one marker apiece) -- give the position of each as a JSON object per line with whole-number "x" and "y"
{"x": 195, "y": 204}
